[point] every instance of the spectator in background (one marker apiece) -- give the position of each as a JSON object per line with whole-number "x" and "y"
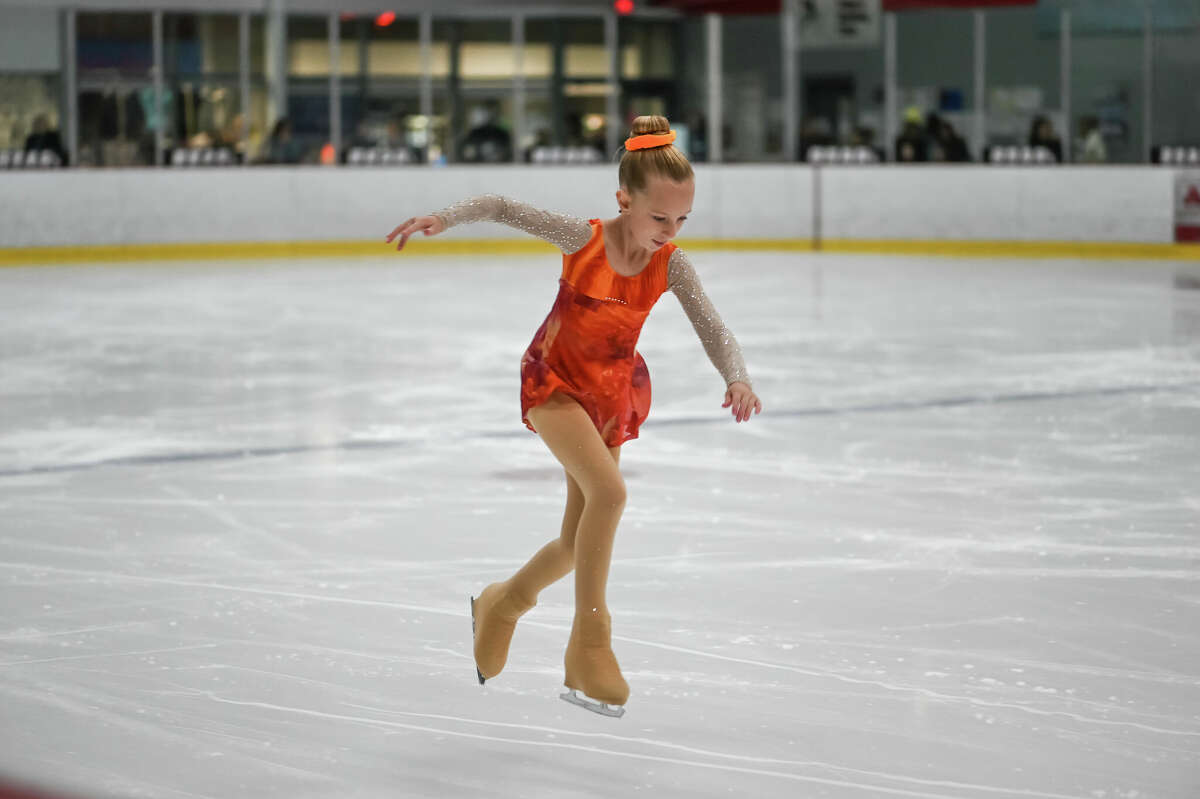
{"x": 43, "y": 138}
{"x": 487, "y": 142}
{"x": 814, "y": 132}
{"x": 399, "y": 136}
{"x": 360, "y": 139}
{"x": 1092, "y": 149}
{"x": 863, "y": 136}
{"x": 16, "y": 134}
{"x": 143, "y": 107}
{"x": 933, "y": 136}
{"x": 954, "y": 147}
{"x": 911, "y": 144}
{"x": 233, "y": 136}
{"x": 1041, "y": 134}
{"x": 542, "y": 137}
{"x": 282, "y": 148}
{"x": 698, "y": 125}
{"x": 944, "y": 142}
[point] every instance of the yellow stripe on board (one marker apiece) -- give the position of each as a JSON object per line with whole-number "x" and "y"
{"x": 1017, "y": 249}
{"x": 209, "y": 251}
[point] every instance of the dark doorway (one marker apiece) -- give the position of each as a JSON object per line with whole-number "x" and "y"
{"x": 830, "y": 110}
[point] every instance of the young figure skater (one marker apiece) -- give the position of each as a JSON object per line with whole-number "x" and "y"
{"x": 585, "y": 389}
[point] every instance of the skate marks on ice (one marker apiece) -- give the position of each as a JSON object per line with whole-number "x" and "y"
{"x": 895, "y": 783}
{"x": 543, "y": 474}
{"x": 957, "y": 560}
{"x": 1001, "y": 659}
{"x": 714, "y": 760}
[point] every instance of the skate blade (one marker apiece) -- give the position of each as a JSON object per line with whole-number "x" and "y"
{"x": 587, "y": 703}
{"x": 478, "y": 673}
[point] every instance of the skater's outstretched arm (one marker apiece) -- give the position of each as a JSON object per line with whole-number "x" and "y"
{"x": 568, "y": 233}
{"x": 718, "y": 341}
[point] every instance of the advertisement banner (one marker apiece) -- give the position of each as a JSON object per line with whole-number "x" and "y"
{"x": 1187, "y": 205}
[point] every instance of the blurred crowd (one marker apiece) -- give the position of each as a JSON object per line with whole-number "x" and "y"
{"x": 923, "y": 138}
{"x": 931, "y": 137}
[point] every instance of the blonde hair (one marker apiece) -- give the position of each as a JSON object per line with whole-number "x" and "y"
{"x": 668, "y": 161}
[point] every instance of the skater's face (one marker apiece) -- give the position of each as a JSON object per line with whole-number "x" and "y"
{"x": 657, "y": 213}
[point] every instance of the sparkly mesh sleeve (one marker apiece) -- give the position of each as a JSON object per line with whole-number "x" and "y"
{"x": 568, "y": 233}
{"x": 719, "y": 343}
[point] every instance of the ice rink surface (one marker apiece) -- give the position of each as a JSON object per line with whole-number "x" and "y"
{"x": 243, "y": 505}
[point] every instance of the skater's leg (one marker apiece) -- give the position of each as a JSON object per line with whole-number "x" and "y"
{"x": 557, "y": 558}
{"x": 568, "y": 431}
{"x": 496, "y": 610}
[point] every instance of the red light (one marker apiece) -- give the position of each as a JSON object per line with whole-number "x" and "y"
{"x": 623, "y": 7}
{"x": 385, "y": 19}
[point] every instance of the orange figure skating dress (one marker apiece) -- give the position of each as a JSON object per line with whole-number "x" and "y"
{"x": 587, "y": 347}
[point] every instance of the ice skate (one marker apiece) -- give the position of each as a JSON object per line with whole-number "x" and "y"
{"x": 494, "y": 615}
{"x": 593, "y": 678}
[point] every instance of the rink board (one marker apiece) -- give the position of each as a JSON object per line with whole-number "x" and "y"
{"x": 735, "y": 204}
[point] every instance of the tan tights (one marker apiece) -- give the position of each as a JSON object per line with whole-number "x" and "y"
{"x": 595, "y": 501}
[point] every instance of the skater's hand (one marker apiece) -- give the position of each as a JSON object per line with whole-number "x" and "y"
{"x": 432, "y": 226}
{"x": 743, "y": 400}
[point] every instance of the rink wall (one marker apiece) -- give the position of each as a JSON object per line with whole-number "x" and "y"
{"x": 79, "y": 215}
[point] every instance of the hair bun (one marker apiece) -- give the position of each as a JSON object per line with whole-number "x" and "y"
{"x": 650, "y": 124}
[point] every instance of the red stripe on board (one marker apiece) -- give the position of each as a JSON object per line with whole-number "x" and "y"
{"x": 1188, "y": 233}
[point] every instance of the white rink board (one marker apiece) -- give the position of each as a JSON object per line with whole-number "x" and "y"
{"x": 763, "y": 201}
{"x": 999, "y": 203}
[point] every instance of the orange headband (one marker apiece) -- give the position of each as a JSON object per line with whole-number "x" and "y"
{"x": 648, "y": 140}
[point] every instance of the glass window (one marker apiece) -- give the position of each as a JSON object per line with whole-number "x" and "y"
{"x": 752, "y": 100}
{"x": 539, "y": 55}
{"x": 648, "y": 48}
{"x": 202, "y": 77}
{"x": 257, "y": 113}
{"x": 842, "y": 97}
{"x": 1176, "y": 109}
{"x": 1106, "y": 85}
{"x": 692, "y": 86}
{"x": 381, "y": 90}
{"x": 115, "y": 57}
{"x": 486, "y": 51}
{"x": 299, "y": 136}
{"x": 1023, "y": 101}
{"x": 30, "y": 83}
{"x": 584, "y": 54}
{"x": 307, "y": 47}
{"x": 568, "y": 107}
{"x": 395, "y": 50}
{"x": 482, "y": 92}
{"x": 935, "y": 78}
{"x": 29, "y": 115}
{"x": 651, "y": 80}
